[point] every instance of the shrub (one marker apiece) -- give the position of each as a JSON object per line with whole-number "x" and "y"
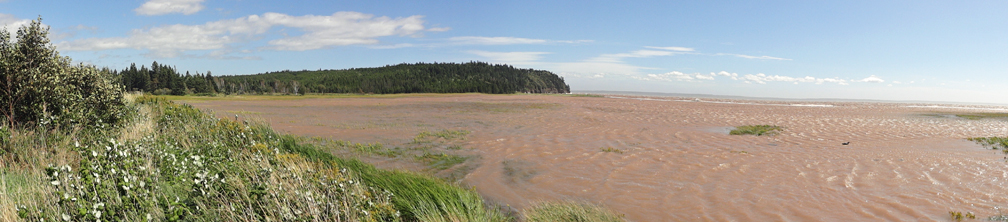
{"x": 38, "y": 86}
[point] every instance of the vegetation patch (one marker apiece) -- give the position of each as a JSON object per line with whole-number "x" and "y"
{"x": 585, "y": 95}
{"x": 518, "y": 170}
{"x": 757, "y": 130}
{"x": 959, "y": 216}
{"x": 609, "y": 149}
{"x": 441, "y": 161}
{"x": 969, "y": 116}
{"x": 978, "y": 116}
{"x": 994, "y": 143}
{"x": 570, "y": 212}
{"x": 427, "y": 136}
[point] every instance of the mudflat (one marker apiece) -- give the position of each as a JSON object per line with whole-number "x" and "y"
{"x": 672, "y": 159}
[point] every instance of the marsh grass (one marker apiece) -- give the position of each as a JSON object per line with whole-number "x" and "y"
{"x": 969, "y": 116}
{"x": 959, "y": 216}
{"x": 994, "y": 143}
{"x": 518, "y": 170}
{"x": 757, "y": 130}
{"x": 978, "y": 116}
{"x": 570, "y": 212}
{"x": 441, "y": 161}
{"x": 583, "y": 95}
{"x": 429, "y": 137}
{"x": 610, "y": 149}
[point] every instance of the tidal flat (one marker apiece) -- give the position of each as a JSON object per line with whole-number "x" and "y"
{"x": 676, "y": 160}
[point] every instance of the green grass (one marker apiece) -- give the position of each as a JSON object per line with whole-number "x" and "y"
{"x": 441, "y": 161}
{"x": 978, "y": 116}
{"x": 583, "y": 95}
{"x": 427, "y": 136}
{"x": 417, "y": 196}
{"x": 570, "y": 212}
{"x": 757, "y": 130}
{"x": 994, "y": 143}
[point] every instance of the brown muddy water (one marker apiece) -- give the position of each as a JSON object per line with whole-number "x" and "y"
{"x": 678, "y": 161}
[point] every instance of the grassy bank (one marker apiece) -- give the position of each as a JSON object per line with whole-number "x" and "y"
{"x": 172, "y": 162}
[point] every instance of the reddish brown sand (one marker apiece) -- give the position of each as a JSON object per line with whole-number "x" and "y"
{"x": 678, "y": 161}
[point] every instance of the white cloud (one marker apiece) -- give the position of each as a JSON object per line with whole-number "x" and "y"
{"x": 872, "y": 78}
{"x": 758, "y": 78}
{"x": 510, "y": 57}
{"x": 754, "y": 57}
{"x": 677, "y": 76}
{"x": 161, "y": 7}
{"x": 672, "y": 48}
{"x": 12, "y": 23}
{"x": 479, "y": 40}
{"x": 341, "y": 28}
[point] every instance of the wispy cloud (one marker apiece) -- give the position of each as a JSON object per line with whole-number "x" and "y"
{"x": 510, "y": 57}
{"x": 338, "y": 29}
{"x": 482, "y": 40}
{"x": 618, "y": 57}
{"x": 161, "y": 7}
{"x": 438, "y": 29}
{"x": 758, "y": 78}
{"x": 479, "y": 40}
{"x": 672, "y": 48}
{"x": 675, "y": 76}
{"x": 754, "y": 57}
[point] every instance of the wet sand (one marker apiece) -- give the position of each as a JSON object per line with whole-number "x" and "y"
{"x": 678, "y": 161}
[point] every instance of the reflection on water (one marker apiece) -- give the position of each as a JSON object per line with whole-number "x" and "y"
{"x": 677, "y": 161}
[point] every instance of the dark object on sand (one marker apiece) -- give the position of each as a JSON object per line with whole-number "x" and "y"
{"x": 846, "y": 143}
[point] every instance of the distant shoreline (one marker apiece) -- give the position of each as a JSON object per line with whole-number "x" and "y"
{"x": 711, "y": 96}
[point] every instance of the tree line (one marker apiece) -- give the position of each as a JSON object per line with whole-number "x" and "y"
{"x": 162, "y": 79}
{"x": 480, "y": 77}
{"x": 467, "y": 77}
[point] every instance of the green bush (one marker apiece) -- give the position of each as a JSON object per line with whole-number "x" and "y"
{"x": 40, "y": 87}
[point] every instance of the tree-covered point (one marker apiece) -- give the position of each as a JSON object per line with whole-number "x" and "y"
{"x": 402, "y": 78}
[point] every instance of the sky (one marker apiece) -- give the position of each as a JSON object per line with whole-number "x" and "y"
{"x": 952, "y": 51}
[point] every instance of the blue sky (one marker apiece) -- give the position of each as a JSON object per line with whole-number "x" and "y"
{"x": 887, "y": 50}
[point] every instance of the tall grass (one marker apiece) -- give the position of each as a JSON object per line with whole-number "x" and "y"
{"x": 570, "y": 212}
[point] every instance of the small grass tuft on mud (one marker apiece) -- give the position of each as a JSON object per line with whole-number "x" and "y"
{"x": 610, "y": 149}
{"x": 758, "y": 130}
